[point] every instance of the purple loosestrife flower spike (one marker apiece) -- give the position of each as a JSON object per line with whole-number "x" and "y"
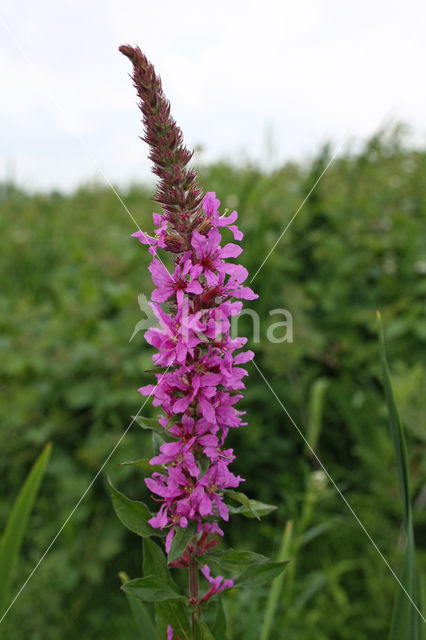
{"x": 178, "y": 193}
{"x": 194, "y": 305}
{"x": 199, "y": 390}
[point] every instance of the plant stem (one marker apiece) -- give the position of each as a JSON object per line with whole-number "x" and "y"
{"x": 276, "y": 585}
{"x": 193, "y": 588}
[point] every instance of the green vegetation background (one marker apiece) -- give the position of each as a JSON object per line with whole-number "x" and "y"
{"x": 68, "y": 306}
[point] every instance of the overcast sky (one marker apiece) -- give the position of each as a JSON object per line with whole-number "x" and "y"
{"x": 269, "y": 80}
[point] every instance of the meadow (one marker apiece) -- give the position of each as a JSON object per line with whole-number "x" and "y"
{"x": 71, "y": 275}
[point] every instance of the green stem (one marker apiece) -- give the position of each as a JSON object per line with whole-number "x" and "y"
{"x": 276, "y": 585}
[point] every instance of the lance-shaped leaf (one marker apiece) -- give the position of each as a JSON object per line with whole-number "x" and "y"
{"x": 144, "y": 465}
{"x": 141, "y": 614}
{"x": 149, "y": 423}
{"x": 232, "y": 561}
{"x": 219, "y": 626}
{"x": 276, "y": 584}
{"x": 155, "y": 562}
{"x": 157, "y": 442}
{"x": 171, "y": 612}
{"x": 181, "y": 540}
{"x": 248, "y": 568}
{"x": 132, "y": 513}
{"x": 152, "y": 589}
{"x": 157, "y": 370}
{"x": 405, "y": 618}
{"x": 259, "y": 574}
{"x": 250, "y": 508}
{"x": 202, "y": 632}
{"x": 13, "y": 535}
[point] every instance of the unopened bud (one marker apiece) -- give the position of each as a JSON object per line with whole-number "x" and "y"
{"x": 204, "y": 226}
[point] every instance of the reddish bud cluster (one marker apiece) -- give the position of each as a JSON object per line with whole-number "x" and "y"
{"x": 178, "y": 192}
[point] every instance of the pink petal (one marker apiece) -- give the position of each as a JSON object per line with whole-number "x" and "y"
{"x": 205, "y": 570}
{"x": 245, "y": 356}
{"x": 182, "y": 404}
{"x": 244, "y": 293}
{"x": 194, "y": 287}
{"x": 169, "y": 539}
{"x": 238, "y": 235}
{"x": 230, "y": 250}
{"x": 207, "y": 410}
{"x": 199, "y": 243}
{"x": 147, "y": 390}
{"x": 144, "y": 238}
{"x": 227, "y": 220}
{"x": 210, "y": 204}
{"x": 206, "y": 506}
{"x": 160, "y": 275}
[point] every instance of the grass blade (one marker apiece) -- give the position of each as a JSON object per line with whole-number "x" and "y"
{"x": 396, "y": 431}
{"x": 276, "y": 585}
{"x": 405, "y": 619}
{"x": 13, "y": 535}
{"x": 316, "y": 412}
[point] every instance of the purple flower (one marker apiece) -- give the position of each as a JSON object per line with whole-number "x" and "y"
{"x": 211, "y": 206}
{"x": 216, "y": 584}
{"x": 176, "y": 284}
{"x": 199, "y": 391}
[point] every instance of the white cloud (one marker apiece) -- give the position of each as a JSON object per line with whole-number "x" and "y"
{"x": 308, "y": 71}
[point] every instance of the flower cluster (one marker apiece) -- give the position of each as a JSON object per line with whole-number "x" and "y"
{"x": 200, "y": 386}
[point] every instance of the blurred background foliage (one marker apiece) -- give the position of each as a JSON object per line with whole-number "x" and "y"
{"x": 68, "y": 306}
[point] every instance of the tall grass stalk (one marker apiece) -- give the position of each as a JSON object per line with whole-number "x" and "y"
{"x": 277, "y": 583}
{"x": 405, "y": 618}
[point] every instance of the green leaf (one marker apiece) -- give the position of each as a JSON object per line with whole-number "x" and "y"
{"x": 219, "y": 626}
{"x": 251, "y": 508}
{"x": 174, "y": 613}
{"x": 132, "y": 513}
{"x": 174, "y": 420}
{"x": 316, "y": 412}
{"x": 253, "y": 569}
{"x": 233, "y": 561}
{"x": 202, "y": 632}
{"x": 11, "y": 541}
{"x": 158, "y": 369}
{"x": 396, "y": 430}
{"x": 259, "y": 574}
{"x": 277, "y": 583}
{"x": 422, "y": 605}
{"x": 152, "y": 589}
{"x": 157, "y": 442}
{"x": 155, "y": 563}
{"x": 405, "y": 618}
{"x": 149, "y": 423}
{"x": 168, "y": 612}
{"x": 318, "y": 530}
{"x": 181, "y": 539}
{"x": 143, "y": 463}
{"x": 141, "y": 614}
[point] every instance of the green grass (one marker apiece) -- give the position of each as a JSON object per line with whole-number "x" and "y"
{"x": 68, "y": 305}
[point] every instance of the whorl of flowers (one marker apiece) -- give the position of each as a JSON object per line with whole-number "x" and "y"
{"x": 200, "y": 378}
